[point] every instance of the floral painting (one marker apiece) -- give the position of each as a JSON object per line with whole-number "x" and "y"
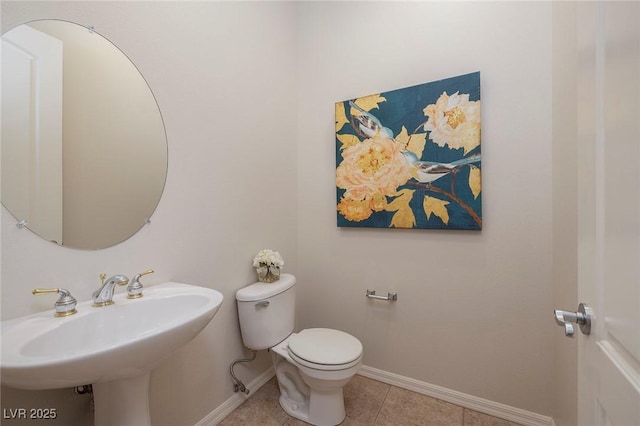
{"x": 410, "y": 158}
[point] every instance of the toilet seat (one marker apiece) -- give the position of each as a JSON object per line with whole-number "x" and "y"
{"x": 324, "y": 349}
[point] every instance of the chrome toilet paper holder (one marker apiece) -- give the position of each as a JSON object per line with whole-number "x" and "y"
{"x": 390, "y": 297}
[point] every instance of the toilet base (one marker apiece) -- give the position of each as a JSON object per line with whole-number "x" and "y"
{"x": 322, "y": 408}
{"x": 295, "y": 409}
{"x": 326, "y": 408}
{"x": 311, "y": 396}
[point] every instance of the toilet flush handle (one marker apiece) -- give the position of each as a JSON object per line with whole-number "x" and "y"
{"x": 262, "y": 304}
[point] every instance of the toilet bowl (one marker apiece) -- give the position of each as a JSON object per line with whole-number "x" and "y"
{"x": 324, "y": 361}
{"x": 312, "y": 366}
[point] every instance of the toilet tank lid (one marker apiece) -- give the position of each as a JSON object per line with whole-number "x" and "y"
{"x": 261, "y": 291}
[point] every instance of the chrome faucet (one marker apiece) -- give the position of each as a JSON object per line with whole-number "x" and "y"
{"x": 104, "y": 295}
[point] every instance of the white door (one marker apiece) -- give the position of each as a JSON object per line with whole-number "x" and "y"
{"x": 32, "y": 129}
{"x": 609, "y": 212}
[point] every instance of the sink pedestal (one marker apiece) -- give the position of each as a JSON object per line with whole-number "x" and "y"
{"x": 123, "y": 402}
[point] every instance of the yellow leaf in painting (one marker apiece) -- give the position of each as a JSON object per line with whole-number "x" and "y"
{"x": 404, "y": 217}
{"x": 347, "y": 140}
{"x": 341, "y": 116}
{"x": 403, "y": 137}
{"x": 416, "y": 143}
{"x": 367, "y": 103}
{"x": 437, "y": 207}
{"x": 402, "y": 198}
{"x": 474, "y": 181}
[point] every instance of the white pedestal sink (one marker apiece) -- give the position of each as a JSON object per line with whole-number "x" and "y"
{"x": 113, "y": 348}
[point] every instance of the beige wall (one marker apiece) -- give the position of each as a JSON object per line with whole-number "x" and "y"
{"x": 474, "y": 308}
{"x": 222, "y": 74}
{"x": 565, "y": 203}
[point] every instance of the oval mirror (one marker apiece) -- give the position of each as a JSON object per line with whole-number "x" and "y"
{"x": 84, "y": 148}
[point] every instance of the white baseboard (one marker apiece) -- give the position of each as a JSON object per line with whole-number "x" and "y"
{"x": 517, "y": 415}
{"x": 496, "y": 409}
{"x": 217, "y": 415}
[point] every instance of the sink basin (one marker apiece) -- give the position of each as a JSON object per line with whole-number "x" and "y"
{"x": 111, "y": 347}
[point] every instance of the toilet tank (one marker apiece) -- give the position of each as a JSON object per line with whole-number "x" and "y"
{"x": 266, "y": 312}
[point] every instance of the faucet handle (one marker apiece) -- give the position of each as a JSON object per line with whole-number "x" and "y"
{"x": 66, "y": 303}
{"x": 103, "y": 277}
{"x": 134, "y": 289}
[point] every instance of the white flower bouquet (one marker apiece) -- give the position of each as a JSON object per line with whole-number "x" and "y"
{"x": 268, "y": 263}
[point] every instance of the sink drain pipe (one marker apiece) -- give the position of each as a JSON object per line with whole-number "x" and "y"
{"x": 237, "y": 383}
{"x": 83, "y": 390}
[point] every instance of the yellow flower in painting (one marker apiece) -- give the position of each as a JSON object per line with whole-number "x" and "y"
{"x": 375, "y": 166}
{"x": 378, "y": 202}
{"x": 354, "y": 210}
{"x": 454, "y": 121}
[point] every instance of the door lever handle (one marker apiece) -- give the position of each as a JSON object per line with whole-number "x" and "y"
{"x": 582, "y": 318}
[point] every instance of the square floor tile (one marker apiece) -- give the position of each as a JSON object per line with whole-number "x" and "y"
{"x": 267, "y": 399}
{"x": 363, "y": 400}
{"x": 403, "y": 407}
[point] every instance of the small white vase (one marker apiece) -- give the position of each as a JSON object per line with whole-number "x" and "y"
{"x": 268, "y": 274}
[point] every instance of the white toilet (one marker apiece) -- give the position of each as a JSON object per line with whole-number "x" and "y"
{"x": 312, "y": 366}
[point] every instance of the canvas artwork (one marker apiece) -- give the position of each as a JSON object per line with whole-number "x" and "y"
{"x": 410, "y": 158}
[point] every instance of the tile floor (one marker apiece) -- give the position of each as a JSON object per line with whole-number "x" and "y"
{"x": 367, "y": 402}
